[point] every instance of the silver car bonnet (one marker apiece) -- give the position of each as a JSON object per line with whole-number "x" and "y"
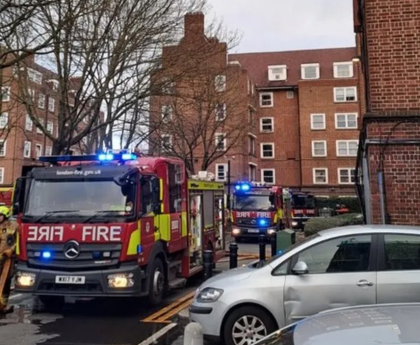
{"x": 228, "y": 277}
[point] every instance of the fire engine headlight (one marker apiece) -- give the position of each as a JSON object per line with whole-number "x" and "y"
{"x": 236, "y": 231}
{"x": 25, "y": 279}
{"x": 121, "y": 280}
{"x": 271, "y": 231}
{"x": 294, "y": 223}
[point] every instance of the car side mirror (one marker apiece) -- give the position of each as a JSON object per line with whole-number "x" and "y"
{"x": 300, "y": 268}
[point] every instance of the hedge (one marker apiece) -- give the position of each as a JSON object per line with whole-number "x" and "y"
{"x": 315, "y": 225}
{"x": 352, "y": 203}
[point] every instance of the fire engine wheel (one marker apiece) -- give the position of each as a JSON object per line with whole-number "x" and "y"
{"x": 157, "y": 282}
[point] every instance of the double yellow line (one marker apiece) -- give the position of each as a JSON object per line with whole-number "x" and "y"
{"x": 165, "y": 314}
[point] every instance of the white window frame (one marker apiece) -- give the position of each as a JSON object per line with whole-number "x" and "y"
{"x": 5, "y": 93}
{"x": 274, "y": 176}
{"x": 261, "y": 99}
{"x": 262, "y": 130}
{"x": 347, "y": 146}
{"x": 41, "y": 101}
{"x": 166, "y": 107}
{"x": 2, "y": 175}
{"x": 252, "y": 143}
{"x": 4, "y": 142}
{"x": 220, "y": 83}
{"x": 306, "y": 65}
{"x": 323, "y": 120}
{"x": 51, "y": 104}
{"x": 3, "y": 124}
{"x": 277, "y": 76}
{"x": 34, "y": 76}
{"x": 349, "y": 170}
{"x": 29, "y": 155}
{"x": 36, "y": 150}
{"x": 314, "y": 175}
{"x": 225, "y": 172}
{"x": 345, "y": 94}
{"x": 217, "y": 113}
{"x": 347, "y": 121}
{"x": 50, "y": 127}
{"x": 351, "y": 69}
{"x": 48, "y": 150}
{"x": 28, "y": 121}
{"x": 262, "y": 151}
{"x": 162, "y": 146}
{"x": 216, "y": 141}
{"x": 325, "y": 148}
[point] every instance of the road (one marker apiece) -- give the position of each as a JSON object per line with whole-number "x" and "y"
{"x": 96, "y": 322}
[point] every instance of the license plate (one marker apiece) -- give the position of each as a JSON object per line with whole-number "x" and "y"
{"x": 69, "y": 280}
{"x": 253, "y": 231}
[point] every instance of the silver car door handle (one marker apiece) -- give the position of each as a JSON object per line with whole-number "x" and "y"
{"x": 364, "y": 283}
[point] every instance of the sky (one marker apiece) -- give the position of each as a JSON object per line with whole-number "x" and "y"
{"x": 275, "y": 25}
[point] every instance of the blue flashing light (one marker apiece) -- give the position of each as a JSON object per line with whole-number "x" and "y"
{"x": 262, "y": 222}
{"x": 102, "y": 157}
{"x": 237, "y": 187}
{"x": 106, "y": 157}
{"x": 128, "y": 157}
{"x": 46, "y": 255}
{"x": 245, "y": 187}
{"x": 96, "y": 255}
{"x": 139, "y": 249}
{"x": 279, "y": 252}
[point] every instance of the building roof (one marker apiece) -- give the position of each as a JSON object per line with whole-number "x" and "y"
{"x": 257, "y": 63}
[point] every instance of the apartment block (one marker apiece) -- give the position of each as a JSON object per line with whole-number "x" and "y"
{"x": 21, "y": 141}
{"x": 306, "y": 115}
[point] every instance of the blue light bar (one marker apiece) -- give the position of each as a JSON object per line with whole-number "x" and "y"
{"x": 102, "y": 157}
{"x": 46, "y": 255}
{"x": 128, "y": 157}
{"x": 245, "y": 187}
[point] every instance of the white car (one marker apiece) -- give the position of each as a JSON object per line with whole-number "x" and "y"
{"x": 357, "y": 265}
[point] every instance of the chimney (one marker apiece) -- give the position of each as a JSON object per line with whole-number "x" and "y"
{"x": 194, "y": 25}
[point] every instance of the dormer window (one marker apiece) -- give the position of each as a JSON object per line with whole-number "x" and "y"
{"x": 277, "y": 73}
{"x": 310, "y": 71}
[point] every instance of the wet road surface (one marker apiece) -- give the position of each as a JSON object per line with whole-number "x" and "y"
{"x": 82, "y": 322}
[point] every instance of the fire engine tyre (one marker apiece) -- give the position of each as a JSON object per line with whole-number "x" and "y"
{"x": 157, "y": 282}
{"x": 249, "y": 324}
{"x": 52, "y": 302}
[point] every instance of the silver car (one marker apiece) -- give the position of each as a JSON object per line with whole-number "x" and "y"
{"x": 384, "y": 324}
{"x": 357, "y": 265}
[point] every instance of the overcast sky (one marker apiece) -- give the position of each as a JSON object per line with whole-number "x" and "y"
{"x": 273, "y": 25}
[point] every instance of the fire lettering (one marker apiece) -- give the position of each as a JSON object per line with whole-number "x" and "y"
{"x": 243, "y": 214}
{"x": 101, "y": 233}
{"x": 45, "y": 233}
{"x": 263, "y": 215}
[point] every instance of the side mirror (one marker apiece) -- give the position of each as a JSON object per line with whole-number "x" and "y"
{"x": 300, "y": 268}
{"x": 156, "y": 208}
{"x": 272, "y": 199}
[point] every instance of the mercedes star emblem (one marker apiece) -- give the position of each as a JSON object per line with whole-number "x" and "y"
{"x": 253, "y": 221}
{"x": 71, "y": 249}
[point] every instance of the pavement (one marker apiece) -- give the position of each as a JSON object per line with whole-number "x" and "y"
{"x": 106, "y": 321}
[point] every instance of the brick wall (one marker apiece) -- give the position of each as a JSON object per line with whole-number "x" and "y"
{"x": 389, "y": 46}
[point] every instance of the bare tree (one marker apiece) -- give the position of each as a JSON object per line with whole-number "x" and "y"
{"x": 208, "y": 117}
{"x": 104, "y": 54}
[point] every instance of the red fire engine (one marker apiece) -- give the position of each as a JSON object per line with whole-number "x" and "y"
{"x": 302, "y": 207}
{"x": 114, "y": 224}
{"x": 257, "y": 209}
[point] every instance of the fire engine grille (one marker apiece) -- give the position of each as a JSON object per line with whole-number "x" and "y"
{"x": 252, "y": 222}
{"x": 90, "y": 257}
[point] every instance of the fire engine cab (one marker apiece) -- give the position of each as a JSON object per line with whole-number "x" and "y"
{"x": 114, "y": 224}
{"x": 257, "y": 209}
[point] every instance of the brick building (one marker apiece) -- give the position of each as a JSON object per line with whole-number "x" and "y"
{"x": 389, "y": 155}
{"x": 305, "y": 112}
{"x": 22, "y": 142}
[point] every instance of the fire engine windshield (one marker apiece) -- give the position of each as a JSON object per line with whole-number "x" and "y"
{"x": 252, "y": 203}
{"x": 81, "y": 197}
{"x": 303, "y": 201}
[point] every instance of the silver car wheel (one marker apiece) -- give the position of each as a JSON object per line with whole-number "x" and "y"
{"x": 247, "y": 330}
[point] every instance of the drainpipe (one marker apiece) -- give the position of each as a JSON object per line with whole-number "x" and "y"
{"x": 381, "y": 195}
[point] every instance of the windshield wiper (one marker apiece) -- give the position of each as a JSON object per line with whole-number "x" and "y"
{"x": 51, "y": 213}
{"x": 101, "y": 213}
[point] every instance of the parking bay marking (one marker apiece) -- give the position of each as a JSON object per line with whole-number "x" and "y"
{"x": 164, "y": 314}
